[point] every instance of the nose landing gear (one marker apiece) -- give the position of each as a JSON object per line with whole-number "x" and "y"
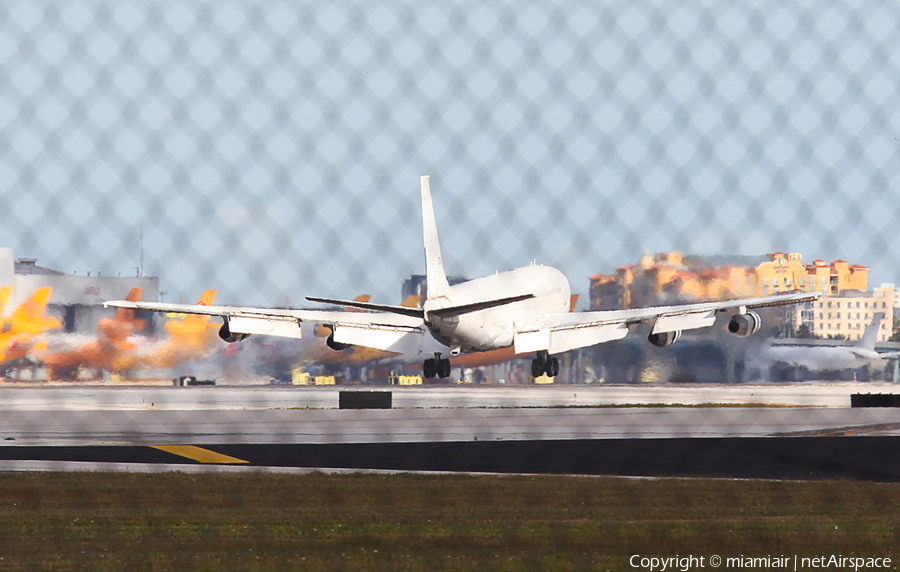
{"x": 544, "y": 364}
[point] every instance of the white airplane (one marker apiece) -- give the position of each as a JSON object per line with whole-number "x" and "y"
{"x": 830, "y": 358}
{"x": 527, "y": 308}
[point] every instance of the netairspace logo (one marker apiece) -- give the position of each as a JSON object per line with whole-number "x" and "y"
{"x": 844, "y": 562}
{"x": 795, "y": 563}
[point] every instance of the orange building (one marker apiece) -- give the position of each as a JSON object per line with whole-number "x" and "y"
{"x": 611, "y": 291}
{"x": 672, "y": 278}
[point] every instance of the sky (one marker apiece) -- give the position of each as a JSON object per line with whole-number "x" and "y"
{"x": 273, "y": 150}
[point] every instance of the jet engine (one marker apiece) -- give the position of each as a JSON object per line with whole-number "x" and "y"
{"x": 336, "y": 346}
{"x": 227, "y": 336}
{"x": 743, "y": 325}
{"x": 663, "y": 339}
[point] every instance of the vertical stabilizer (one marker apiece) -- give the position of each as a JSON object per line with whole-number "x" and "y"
{"x": 208, "y": 298}
{"x": 870, "y": 336}
{"x": 434, "y": 267}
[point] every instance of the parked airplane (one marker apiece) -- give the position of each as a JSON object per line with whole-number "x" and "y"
{"x": 526, "y": 308}
{"x": 831, "y": 358}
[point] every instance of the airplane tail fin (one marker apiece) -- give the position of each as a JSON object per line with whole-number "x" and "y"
{"x": 870, "y": 336}
{"x": 35, "y": 304}
{"x": 436, "y": 279}
{"x": 207, "y": 298}
{"x": 125, "y": 315}
{"x": 412, "y": 301}
{"x": 361, "y": 298}
{"x": 30, "y": 317}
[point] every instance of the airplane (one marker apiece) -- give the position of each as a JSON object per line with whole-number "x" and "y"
{"x": 831, "y": 358}
{"x": 526, "y": 308}
{"x": 323, "y": 331}
{"x": 492, "y": 357}
{"x": 357, "y": 355}
{"x": 281, "y": 358}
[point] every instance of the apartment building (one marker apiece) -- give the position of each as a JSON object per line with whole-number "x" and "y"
{"x": 849, "y": 313}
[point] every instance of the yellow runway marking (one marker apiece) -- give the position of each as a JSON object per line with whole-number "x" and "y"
{"x": 199, "y": 454}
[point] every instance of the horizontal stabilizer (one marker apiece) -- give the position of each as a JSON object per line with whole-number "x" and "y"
{"x": 477, "y": 307}
{"x": 403, "y": 310}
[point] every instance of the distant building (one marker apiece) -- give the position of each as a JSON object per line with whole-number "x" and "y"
{"x": 76, "y": 299}
{"x": 612, "y": 291}
{"x": 848, "y": 314}
{"x": 673, "y": 278}
{"x": 896, "y": 291}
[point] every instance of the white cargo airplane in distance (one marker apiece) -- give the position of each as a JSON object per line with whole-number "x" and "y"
{"x": 825, "y": 358}
{"x": 527, "y": 308}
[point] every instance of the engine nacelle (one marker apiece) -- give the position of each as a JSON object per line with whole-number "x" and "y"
{"x": 336, "y": 346}
{"x": 743, "y": 325}
{"x": 227, "y": 336}
{"x": 663, "y": 339}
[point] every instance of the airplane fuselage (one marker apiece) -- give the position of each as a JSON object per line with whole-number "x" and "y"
{"x": 823, "y": 358}
{"x": 495, "y": 327}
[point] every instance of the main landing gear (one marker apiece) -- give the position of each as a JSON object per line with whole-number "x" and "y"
{"x": 436, "y": 367}
{"x": 543, "y": 364}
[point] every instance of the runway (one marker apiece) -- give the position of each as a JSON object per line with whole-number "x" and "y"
{"x": 266, "y": 397}
{"x": 299, "y": 426}
{"x": 791, "y": 432}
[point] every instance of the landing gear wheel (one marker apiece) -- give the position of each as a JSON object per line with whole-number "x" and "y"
{"x": 551, "y": 367}
{"x": 537, "y": 368}
{"x": 429, "y": 368}
{"x": 443, "y": 368}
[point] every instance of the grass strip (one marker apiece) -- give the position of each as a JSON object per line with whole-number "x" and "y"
{"x": 256, "y": 521}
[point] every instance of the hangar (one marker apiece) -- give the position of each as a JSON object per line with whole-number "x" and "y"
{"x": 76, "y": 299}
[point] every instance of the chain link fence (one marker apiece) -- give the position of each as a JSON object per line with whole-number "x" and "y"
{"x": 273, "y": 150}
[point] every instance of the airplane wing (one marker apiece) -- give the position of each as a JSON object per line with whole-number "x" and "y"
{"x": 561, "y": 332}
{"x": 379, "y": 330}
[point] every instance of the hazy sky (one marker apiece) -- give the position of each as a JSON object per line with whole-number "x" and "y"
{"x": 273, "y": 150}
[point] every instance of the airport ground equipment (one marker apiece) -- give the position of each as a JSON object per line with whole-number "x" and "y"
{"x": 405, "y": 380}
{"x": 189, "y": 380}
